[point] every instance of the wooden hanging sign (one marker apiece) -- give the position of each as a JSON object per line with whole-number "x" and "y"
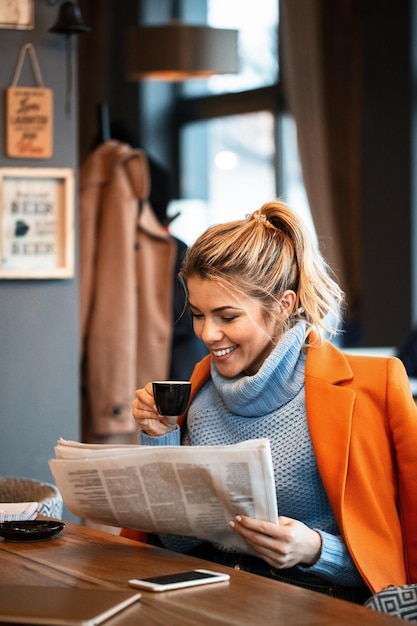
{"x": 29, "y": 115}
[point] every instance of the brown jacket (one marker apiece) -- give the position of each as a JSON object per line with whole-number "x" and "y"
{"x": 363, "y": 425}
{"x": 127, "y": 262}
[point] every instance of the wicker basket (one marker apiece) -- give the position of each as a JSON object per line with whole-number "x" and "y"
{"x": 29, "y": 490}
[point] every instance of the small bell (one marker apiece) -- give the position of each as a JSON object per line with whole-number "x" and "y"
{"x": 69, "y": 20}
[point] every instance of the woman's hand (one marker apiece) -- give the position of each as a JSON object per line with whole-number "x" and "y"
{"x": 282, "y": 545}
{"x": 146, "y": 415}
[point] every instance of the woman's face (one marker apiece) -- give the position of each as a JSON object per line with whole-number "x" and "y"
{"x": 235, "y": 330}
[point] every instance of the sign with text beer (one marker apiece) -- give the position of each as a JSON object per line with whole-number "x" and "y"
{"x": 29, "y": 115}
{"x": 37, "y": 223}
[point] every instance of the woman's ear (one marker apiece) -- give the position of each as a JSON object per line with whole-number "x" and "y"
{"x": 287, "y": 303}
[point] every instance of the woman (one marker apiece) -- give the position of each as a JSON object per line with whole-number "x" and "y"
{"x": 342, "y": 429}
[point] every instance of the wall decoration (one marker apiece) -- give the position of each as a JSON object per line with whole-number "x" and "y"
{"x": 17, "y": 14}
{"x": 29, "y": 114}
{"x": 36, "y": 223}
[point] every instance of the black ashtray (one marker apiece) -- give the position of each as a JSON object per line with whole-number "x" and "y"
{"x": 30, "y": 530}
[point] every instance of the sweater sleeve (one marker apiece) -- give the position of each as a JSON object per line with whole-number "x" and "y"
{"x": 171, "y": 438}
{"x": 334, "y": 563}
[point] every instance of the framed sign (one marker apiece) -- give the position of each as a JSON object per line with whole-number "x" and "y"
{"x": 16, "y": 14}
{"x": 36, "y": 223}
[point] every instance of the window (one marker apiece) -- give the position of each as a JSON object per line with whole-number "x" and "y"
{"x": 237, "y": 149}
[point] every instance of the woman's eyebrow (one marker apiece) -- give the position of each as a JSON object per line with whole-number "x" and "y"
{"x": 218, "y": 309}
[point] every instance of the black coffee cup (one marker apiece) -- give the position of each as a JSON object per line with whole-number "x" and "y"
{"x": 171, "y": 396}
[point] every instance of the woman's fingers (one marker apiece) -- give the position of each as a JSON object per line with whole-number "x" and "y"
{"x": 284, "y": 544}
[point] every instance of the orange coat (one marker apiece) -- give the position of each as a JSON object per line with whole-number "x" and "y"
{"x": 363, "y": 425}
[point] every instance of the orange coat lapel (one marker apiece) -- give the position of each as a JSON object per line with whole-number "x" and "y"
{"x": 330, "y": 419}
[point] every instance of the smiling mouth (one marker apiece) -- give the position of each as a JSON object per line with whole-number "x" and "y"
{"x": 224, "y": 351}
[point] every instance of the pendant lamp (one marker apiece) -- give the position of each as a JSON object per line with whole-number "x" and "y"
{"x": 178, "y": 51}
{"x": 69, "y": 22}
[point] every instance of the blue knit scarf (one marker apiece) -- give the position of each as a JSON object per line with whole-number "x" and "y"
{"x": 278, "y": 380}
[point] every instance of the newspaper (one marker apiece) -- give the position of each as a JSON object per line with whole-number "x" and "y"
{"x": 191, "y": 491}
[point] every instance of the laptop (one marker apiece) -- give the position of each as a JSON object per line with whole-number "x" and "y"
{"x": 61, "y": 606}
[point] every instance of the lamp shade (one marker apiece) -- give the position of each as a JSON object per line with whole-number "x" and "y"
{"x": 69, "y": 21}
{"x": 178, "y": 51}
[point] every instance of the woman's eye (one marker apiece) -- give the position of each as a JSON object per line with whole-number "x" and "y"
{"x": 229, "y": 319}
{"x": 197, "y": 316}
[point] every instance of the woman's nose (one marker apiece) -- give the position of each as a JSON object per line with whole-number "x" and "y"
{"x": 211, "y": 332}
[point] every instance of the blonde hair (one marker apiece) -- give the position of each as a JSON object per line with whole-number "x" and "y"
{"x": 264, "y": 255}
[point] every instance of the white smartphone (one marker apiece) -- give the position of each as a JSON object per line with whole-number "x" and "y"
{"x": 179, "y": 580}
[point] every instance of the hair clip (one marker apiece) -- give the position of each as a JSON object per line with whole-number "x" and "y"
{"x": 259, "y": 217}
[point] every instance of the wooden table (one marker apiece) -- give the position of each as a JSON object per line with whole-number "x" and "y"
{"x": 86, "y": 557}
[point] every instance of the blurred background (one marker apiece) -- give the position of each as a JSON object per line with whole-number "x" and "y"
{"x": 321, "y": 111}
